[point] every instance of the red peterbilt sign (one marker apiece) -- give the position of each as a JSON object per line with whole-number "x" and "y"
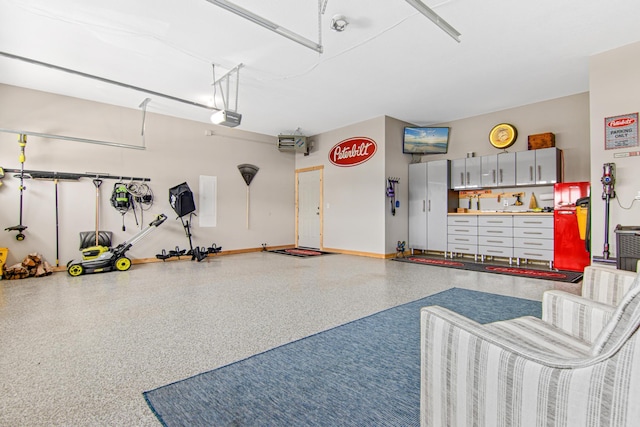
{"x": 621, "y": 122}
{"x": 352, "y": 151}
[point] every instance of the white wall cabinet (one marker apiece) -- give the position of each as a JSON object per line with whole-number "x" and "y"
{"x": 430, "y": 200}
{"x": 532, "y": 167}
{"x": 466, "y": 173}
{"x": 498, "y": 170}
{"x": 538, "y": 167}
{"x": 489, "y": 171}
{"x": 506, "y": 169}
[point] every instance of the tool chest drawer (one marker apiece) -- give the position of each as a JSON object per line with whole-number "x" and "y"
{"x": 533, "y": 221}
{"x": 469, "y": 220}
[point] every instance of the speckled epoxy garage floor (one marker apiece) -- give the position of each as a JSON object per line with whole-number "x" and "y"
{"x": 80, "y": 351}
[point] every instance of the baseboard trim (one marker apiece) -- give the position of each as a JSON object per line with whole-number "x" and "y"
{"x": 138, "y": 261}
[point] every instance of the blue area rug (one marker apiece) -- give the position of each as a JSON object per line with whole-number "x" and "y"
{"x": 363, "y": 373}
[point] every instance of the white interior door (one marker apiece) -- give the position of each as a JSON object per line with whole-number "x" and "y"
{"x": 309, "y": 209}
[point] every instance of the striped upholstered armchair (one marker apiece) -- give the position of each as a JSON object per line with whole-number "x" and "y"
{"x": 586, "y": 315}
{"x": 534, "y": 372}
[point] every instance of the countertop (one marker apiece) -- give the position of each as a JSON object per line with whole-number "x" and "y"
{"x": 502, "y": 213}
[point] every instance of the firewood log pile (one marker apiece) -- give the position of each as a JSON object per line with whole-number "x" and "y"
{"x": 34, "y": 265}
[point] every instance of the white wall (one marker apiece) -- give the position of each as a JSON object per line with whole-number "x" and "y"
{"x": 357, "y": 215}
{"x": 614, "y": 91}
{"x": 177, "y": 150}
{"x": 354, "y": 197}
{"x": 566, "y": 117}
{"x": 396, "y": 165}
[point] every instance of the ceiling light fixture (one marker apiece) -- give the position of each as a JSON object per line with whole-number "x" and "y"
{"x": 226, "y": 118}
{"x": 435, "y": 18}
{"x": 338, "y": 23}
{"x": 244, "y": 13}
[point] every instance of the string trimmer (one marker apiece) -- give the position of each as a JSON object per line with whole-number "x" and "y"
{"x": 22, "y": 140}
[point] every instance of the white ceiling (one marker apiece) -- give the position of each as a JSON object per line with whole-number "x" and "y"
{"x": 391, "y": 60}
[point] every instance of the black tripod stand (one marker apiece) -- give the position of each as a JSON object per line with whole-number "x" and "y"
{"x": 181, "y": 200}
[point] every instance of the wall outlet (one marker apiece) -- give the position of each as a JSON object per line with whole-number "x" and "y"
{"x": 505, "y": 203}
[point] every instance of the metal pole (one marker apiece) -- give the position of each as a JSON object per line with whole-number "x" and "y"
{"x": 605, "y": 253}
{"x": 102, "y": 79}
{"x": 97, "y": 183}
{"x": 55, "y": 183}
{"x": 72, "y": 138}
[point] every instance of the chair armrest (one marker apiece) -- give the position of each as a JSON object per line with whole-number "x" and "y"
{"x": 434, "y": 315}
{"x": 606, "y": 285}
{"x": 579, "y": 317}
{"x": 469, "y": 377}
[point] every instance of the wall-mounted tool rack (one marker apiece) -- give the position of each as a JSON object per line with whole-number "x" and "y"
{"x": 70, "y": 176}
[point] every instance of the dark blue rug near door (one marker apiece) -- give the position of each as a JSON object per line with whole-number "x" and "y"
{"x": 363, "y": 373}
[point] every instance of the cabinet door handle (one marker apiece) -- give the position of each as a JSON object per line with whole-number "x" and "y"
{"x": 429, "y": 205}
{"x": 539, "y": 173}
{"x": 468, "y": 177}
{"x": 501, "y": 177}
{"x": 530, "y": 173}
{"x": 423, "y": 205}
{"x": 462, "y": 178}
{"x": 494, "y": 176}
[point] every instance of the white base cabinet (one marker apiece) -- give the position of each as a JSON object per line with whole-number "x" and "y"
{"x": 533, "y": 238}
{"x": 521, "y": 237}
{"x": 495, "y": 236}
{"x": 462, "y": 235}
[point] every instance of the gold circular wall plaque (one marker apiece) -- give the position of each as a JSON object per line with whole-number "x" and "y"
{"x": 503, "y": 135}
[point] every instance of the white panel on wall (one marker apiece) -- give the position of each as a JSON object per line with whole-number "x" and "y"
{"x": 207, "y": 206}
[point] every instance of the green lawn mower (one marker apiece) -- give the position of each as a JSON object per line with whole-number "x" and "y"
{"x": 99, "y": 259}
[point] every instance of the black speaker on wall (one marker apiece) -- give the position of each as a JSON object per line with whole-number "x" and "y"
{"x": 181, "y": 199}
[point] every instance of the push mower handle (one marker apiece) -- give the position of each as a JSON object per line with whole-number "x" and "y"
{"x": 159, "y": 220}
